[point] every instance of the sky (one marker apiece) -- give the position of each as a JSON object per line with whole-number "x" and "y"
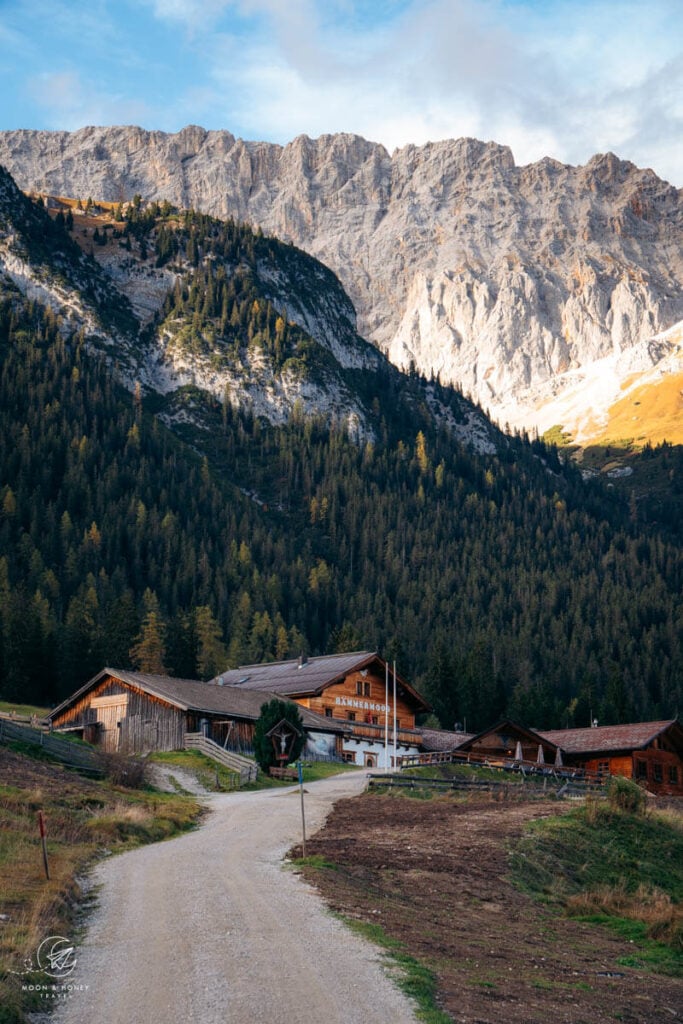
{"x": 559, "y": 78}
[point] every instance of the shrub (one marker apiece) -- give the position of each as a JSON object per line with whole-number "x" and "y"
{"x": 626, "y": 795}
{"x": 123, "y": 770}
{"x": 272, "y": 713}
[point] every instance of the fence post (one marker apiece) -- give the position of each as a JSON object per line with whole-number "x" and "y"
{"x": 43, "y": 838}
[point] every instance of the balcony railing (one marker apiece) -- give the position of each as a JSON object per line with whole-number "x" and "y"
{"x": 376, "y": 733}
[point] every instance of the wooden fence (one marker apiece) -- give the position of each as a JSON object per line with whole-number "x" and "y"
{"x": 525, "y": 768}
{"x": 548, "y": 785}
{"x": 72, "y": 755}
{"x": 246, "y": 769}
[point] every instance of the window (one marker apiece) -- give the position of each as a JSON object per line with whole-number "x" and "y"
{"x": 328, "y": 712}
{"x": 673, "y": 774}
{"x": 641, "y": 769}
{"x": 375, "y": 720}
{"x": 349, "y": 756}
{"x": 603, "y": 767}
{"x": 351, "y": 715}
{"x": 366, "y": 689}
{"x": 657, "y": 773}
{"x": 359, "y": 689}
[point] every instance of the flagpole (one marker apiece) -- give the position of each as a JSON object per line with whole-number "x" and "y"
{"x": 386, "y": 717}
{"x": 395, "y": 750}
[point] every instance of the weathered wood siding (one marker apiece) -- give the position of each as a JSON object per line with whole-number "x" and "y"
{"x": 363, "y": 696}
{"x": 659, "y": 770}
{"x": 504, "y": 744}
{"x": 232, "y": 733}
{"x": 119, "y": 717}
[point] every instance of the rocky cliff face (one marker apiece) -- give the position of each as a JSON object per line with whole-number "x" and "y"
{"x": 498, "y": 277}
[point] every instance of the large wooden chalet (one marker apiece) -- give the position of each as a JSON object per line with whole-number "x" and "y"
{"x": 651, "y": 753}
{"x": 356, "y": 689}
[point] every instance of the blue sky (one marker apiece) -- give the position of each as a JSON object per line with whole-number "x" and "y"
{"x": 562, "y": 78}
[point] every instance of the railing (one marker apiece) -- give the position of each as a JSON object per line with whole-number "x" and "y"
{"x": 568, "y": 773}
{"x": 33, "y": 720}
{"x": 368, "y": 730}
{"x": 532, "y": 787}
{"x": 246, "y": 769}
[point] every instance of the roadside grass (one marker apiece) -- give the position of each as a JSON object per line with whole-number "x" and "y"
{"x": 216, "y": 777}
{"x": 316, "y": 770}
{"x": 415, "y": 979}
{"x": 603, "y": 864}
{"x": 466, "y": 772}
{"x": 85, "y": 819}
{"x": 313, "y": 771}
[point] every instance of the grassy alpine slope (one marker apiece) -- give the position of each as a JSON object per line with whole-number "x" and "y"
{"x": 85, "y": 819}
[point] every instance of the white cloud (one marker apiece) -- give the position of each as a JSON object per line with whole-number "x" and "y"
{"x": 564, "y": 80}
{"x": 70, "y": 103}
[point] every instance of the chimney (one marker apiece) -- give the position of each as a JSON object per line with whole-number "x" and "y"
{"x": 303, "y": 660}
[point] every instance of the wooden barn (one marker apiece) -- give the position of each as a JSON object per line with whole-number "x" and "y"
{"x": 509, "y": 741}
{"x": 356, "y": 689}
{"x": 651, "y": 753}
{"x": 134, "y": 712}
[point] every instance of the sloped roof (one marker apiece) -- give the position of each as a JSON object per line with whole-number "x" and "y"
{"x": 606, "y": 738}
{"x": 194, "y": 695}
{"x": 519, "y": 731}
{"x": 297, "y": 678}
{"x": 442, "y": 739}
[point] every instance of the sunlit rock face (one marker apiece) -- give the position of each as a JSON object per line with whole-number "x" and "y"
{"x": 497, "y": 277}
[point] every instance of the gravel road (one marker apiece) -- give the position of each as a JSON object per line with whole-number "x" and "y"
{"x": 210, "y": 927}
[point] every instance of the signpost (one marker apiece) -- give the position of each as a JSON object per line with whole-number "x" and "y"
{"x": 43, "y": 837}
{"x": 300, "y": 769}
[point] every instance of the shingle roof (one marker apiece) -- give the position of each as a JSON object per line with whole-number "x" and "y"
{"x": 295, "y": 678}
{"x": 606, "y": 737}
{"x": 193, "y": 695}
{"x": 442, "y": 739}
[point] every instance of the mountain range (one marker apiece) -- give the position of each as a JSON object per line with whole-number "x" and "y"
{"x": 548, "y": 293}
{"x": 196, "y": 442}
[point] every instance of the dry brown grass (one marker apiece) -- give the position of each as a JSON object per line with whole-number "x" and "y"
{"x": 652, "y": 412}
{"x": 83, "y": 817}
{"x": 647, "y": 904}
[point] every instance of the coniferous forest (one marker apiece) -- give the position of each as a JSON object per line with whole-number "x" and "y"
{"x": 500, "y": 583}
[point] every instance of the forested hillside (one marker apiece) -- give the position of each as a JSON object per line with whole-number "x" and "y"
{"x": 500, "y": 583}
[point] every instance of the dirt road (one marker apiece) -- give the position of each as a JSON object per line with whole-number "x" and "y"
{"x": 211, "y": 928}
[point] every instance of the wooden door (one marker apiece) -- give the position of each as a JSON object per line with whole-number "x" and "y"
{"x": 110, "y": 711}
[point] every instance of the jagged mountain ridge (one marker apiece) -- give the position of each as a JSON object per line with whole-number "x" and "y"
{"x": 500, "y": 278}
{"x": 285, "y": 337}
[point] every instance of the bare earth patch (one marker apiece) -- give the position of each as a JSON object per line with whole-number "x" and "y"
{"x": 433, "y": 875}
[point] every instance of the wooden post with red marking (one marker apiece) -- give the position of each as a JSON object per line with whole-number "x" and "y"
{"x": 43, "y": 837}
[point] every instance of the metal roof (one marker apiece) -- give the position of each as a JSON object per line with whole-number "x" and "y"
{"x": 305, "y": 677}
{"x": 298, "y": 675}
{"x": 604, "y": 738}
